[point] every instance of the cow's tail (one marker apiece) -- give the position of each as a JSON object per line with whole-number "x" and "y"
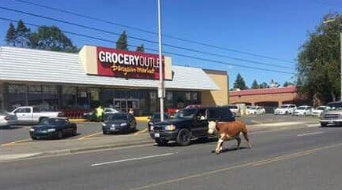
{"x": 245, "y": 133}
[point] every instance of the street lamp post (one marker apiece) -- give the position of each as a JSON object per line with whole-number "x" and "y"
{"x": 161, "y": 80}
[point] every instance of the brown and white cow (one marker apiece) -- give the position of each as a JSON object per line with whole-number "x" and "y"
{"x": 227, "y": 131}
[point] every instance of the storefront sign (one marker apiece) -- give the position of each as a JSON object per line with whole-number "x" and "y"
{"x": 127, "y": 64}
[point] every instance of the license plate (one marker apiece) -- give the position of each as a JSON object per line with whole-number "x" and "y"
{"x": 330, "y": 122}
{"x": 157, "y": 135}
{"x": 112, "y": 128}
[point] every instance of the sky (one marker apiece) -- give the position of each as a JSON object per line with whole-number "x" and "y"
{"x": 258, "y": 39}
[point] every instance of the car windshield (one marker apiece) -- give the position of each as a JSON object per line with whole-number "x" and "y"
{"x": 186, "y": 113}
{"x": 110, "y": 110}
{"x": 284, "y": 106}
{"x": 301, "y": 108}
{"x": 52, "y": 121}
{"x": 321, "y": 108}
{"x": 118, "y": 117}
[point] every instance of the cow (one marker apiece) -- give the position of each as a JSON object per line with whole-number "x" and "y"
{"x": 227, "y": 131}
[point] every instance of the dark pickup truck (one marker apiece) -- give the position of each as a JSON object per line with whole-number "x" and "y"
{"x": 188, "y": 124}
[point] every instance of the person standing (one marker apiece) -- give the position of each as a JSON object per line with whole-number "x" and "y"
{"x": 131, "y": 111}
{"x": 99, "y": 113}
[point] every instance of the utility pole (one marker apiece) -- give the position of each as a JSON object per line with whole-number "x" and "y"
{"x": 161, "y": 77}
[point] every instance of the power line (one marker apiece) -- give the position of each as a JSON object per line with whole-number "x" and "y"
{"x": 136, "y": 38}
{"x": 155, "y": 33}
{"x": 177, "y": 54}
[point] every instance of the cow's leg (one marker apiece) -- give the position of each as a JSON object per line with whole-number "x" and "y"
{"x": 238, "y": 139}
{"x": 247, "y": 139}
{"x": 219, "y": 146}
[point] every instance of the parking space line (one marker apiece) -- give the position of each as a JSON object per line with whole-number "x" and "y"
{"x": 15, "y": 142}
{"x": 91, "y": 135}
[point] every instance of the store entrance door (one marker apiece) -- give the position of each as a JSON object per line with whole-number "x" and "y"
{"x": 126, "y": 104}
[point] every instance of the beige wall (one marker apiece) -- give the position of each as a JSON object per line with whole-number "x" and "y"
{"x": 217, "y": 97}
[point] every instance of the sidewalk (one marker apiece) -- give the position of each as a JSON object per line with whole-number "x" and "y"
{"x": 65, "y": 146}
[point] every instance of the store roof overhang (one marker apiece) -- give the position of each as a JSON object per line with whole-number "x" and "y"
{"x": 29, "y": 65}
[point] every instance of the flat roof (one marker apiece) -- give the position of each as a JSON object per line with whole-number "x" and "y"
{"x": 31, "y": 65}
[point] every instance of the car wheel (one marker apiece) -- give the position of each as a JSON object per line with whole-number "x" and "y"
{"x": 324, "y": 124}
{"x": 34, "y": 138}
{"x": 183, "y": 137}
{"x": 74, "y": 132}
{"x": 161, "y": 142}
{"x": 105, "y": 132}
{"x": 59, "y": 134}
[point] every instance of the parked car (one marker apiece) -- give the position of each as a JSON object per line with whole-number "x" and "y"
{"x": 303, "y": 110}
{"x": 319, "y": 110}
{"x": 188, "y": 124}
{"x": 255, "y": 110}
{"x": 119, "y": 122}
{"x": 7, "y": 119}
{"x": 108, "y": 111}
{"x": 91, "y": 116}
{"x": 155, "y": 117}
{"x": 285, "y": 109}
{"x": 53, "y": 128}
{"x": 33, "y": 114}
{"x": 235, "y": 109}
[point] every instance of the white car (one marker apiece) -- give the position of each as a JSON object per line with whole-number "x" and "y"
{"x": 234, "y": 109}
{"x": 255, "y": 110}
{"x": 303, "y": 110}
{"x": 285, "y": 109}
{"x": 319, "y": 110}
{"x": 6, "y": 119}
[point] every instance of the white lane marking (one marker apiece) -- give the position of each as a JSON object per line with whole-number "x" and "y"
{"x": 132, "y": 159}
{"x": 312, "y": 125}
{"x": 307, "y": 134}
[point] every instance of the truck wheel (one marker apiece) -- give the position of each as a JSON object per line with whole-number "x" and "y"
{"x": 183, "y": 137}
{"x": 41, "y": 118}
{"x": 324, "y": 124}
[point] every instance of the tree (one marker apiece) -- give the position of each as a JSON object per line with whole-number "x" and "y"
{"x": 10, "y": 35}
{"x": 318, "y": 67}
{"x": 122, "y": 41}
{"x": 263, "y": 85}
{"x": 140, "y": 48}
{"x": 240, "y": 83}
{"x": 286, "y": 84}
{"x": 22, "y": 35}
{"x": 51, "y": 38}
{"x": 255, "y": 85}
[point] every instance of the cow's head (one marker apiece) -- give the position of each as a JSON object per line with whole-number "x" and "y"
{"x": 212, "y": 127}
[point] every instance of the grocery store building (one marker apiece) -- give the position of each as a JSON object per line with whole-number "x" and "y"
{"x": 103, "y": 76}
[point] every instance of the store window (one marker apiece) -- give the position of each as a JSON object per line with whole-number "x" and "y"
{"x": 69, "y": 96}
{"x": 17, "y": 96}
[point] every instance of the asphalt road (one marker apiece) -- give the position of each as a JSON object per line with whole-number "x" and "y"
{"x": 298, "y": 159}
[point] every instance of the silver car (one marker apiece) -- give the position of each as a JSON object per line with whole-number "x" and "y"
{"x": 332, "y": 117}
{"x": 6, "y": 119}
